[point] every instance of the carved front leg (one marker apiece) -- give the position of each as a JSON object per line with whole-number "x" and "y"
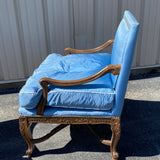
{"x": 24, "y": 127}
{"x": 116, "y": 132}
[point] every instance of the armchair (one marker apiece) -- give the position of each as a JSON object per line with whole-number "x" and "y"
{"x": 80, "y": 88}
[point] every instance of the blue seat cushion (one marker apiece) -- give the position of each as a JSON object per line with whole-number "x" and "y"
{"x": 95, "y": 95}
{"x": 57, "y": 111}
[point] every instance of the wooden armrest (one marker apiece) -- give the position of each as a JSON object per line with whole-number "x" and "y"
{"x": 114, "y": 69}
{"x": 44, "y": 82}
{"x": 108, "y": 43}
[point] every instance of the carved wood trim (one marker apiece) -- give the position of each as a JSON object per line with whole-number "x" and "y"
{"x": 108, "y": 43}
{"x": 70, "y": 120}
{"x": 44, "y": 82}
{"x": 116, "y": 133}
{"x": 24, "y": 122}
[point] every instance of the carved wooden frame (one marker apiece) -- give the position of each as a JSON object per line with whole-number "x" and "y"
{"x": 26, "y": 121}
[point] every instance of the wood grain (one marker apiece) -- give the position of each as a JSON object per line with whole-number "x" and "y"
{"x": 24, "y": 122}
{"x": 70, "y": 50}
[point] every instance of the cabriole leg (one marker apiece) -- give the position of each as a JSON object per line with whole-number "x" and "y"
{"x": 116, "y": 132}
{"x": 24, "y": 127}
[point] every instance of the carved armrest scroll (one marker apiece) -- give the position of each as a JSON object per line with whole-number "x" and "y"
{"x": 44, "y": 82}
{"x": 108, "y": 43}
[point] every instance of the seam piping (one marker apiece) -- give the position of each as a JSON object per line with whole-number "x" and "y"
{"x": 66, "y": 91}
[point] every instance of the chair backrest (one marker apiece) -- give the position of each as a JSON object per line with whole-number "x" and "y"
{"x": 122, "y": 53}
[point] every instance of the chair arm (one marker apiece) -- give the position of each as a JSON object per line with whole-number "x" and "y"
{"x": 44, "y": 82}
{"x": 108, "y": 43}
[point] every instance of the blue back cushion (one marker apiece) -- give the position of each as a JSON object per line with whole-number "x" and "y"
{"x": 123, "y": 42}
{"x": 122, "y": 53}
{"x": 119, "y": 46}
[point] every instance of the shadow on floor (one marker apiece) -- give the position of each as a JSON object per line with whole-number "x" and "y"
{"x": 12, "y": 144}
{"x": 140, "y": 135}
{"x": 140, "y": 129}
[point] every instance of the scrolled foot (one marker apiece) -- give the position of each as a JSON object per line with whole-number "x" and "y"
{"x": 29, "y": 152}
{"x": 115, "y": 155}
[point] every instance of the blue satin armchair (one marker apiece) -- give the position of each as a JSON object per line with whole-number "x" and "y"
{"x": 80, "y": 88}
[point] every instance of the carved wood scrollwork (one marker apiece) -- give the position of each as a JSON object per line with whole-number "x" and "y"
{"x": 116, "y": 132}
{"x": 115, "y": 126}
{"x": 25, "y": 121}
{"x": 71, "y": 120}
{"x": 22, "y": 125}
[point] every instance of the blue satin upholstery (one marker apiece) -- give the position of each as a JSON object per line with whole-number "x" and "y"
{"x": 97, "y": 98}
{"x": 96, "y": 95}
{"x": 120, "y": 81}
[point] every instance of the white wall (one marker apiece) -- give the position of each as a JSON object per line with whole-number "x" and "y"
{"x": 32, "y": 29}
